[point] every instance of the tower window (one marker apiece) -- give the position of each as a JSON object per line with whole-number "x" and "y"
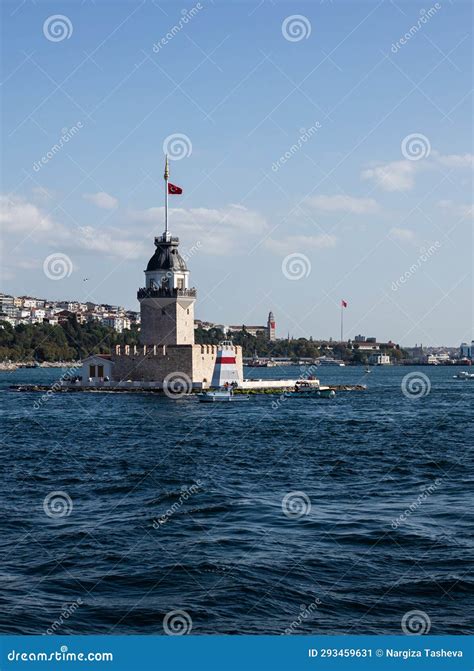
{"x": 163, "y": 311}
{"x": 180, "y": 283}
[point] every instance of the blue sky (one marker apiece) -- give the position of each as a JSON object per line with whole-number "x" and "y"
{"x": 373, "y": 203}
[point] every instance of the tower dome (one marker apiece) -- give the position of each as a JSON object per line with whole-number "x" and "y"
{"x": 166, "y": 256}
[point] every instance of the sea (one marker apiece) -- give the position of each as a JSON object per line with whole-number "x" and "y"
{"x": 135, "y": 513}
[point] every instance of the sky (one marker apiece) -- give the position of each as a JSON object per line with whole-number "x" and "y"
{"x": 324, "y": 150}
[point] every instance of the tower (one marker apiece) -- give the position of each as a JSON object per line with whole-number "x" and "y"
{"x": 166, "y": 301}
{"x": 271, "y": 327}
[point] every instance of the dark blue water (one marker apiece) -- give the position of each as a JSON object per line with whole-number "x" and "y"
{"x": 213, "y": 478}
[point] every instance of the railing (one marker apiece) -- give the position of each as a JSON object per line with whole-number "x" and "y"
{"x": 166, "y": 292}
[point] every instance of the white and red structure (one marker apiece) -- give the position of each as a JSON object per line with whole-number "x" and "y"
{"x": 226, "y": 370}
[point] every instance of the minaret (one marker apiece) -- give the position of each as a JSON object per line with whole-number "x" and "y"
{"x": 167, "y": 301}
{"x": 271, "y": 327}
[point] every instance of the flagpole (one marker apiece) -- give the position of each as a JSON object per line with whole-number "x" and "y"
{"x": 166, "y": 175}
{"x": 342, "y": 322}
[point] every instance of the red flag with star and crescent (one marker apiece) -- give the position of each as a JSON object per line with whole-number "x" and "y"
{"x": 174, "y": 190}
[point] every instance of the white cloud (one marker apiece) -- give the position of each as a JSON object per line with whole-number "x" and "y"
{"x": 454, "y": 160}
{"x": 342, "y": 203}
{"x": 109, "y": 242}
{"x": 300, "y": 242}
{"x": 220, "y": 231}
{"x": 400, "y": 175}
{"x": 463, "y": 211}
{"x": 19, "y": 216}
{"x": 394, "y": 176}
{"x": 42, "y": 193}
{"x": 402, "y": 234}
{"x": 101, "y": 199}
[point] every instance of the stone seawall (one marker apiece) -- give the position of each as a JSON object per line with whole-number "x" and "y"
{"x": 154, "y": 363}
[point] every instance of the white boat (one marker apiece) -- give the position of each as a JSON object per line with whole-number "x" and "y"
{"x": 323, "y": 361}
{"x": 464, "y": 375}
{"x": 221, "y": 395}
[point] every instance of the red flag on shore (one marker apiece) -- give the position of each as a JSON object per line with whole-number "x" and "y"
{"x": 343, "y": 303}
{"x": 174, "y": 190}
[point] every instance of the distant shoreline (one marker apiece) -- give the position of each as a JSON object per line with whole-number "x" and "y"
{"x": 15, "y": 365}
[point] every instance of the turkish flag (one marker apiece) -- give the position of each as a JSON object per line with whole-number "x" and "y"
{"x": 344, "y": 304}
{"x": 174, "y": 190}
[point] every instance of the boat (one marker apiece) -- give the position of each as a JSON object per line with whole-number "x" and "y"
{"x": 328, "y": 361}
{"x": 308, "y": 390}
{"x": 464, "y": 375}
{"x": 367, "y": 370}
{"x": 221, "y": 395}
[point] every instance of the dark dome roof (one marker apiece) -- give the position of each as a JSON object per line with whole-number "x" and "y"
{"x": 166, "y": 256}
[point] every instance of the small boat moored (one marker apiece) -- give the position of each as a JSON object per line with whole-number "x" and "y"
{"x": 464, "y": 375}
{"x": 221, "y": 395}
{"x": 305, "y": 389}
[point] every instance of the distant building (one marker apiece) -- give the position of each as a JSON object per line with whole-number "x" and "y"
{"x": 271, "y": 327}
{"x": 359, "y": 338}
{"x": 380, "y": 360}
{"x": 466, "y": 351}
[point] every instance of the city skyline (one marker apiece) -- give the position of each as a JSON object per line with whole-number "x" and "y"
{"x": 350, "y": 178}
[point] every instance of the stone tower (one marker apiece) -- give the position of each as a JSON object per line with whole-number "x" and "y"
{"x": 166, "y": 301}
{"x": 271, "y": 327}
